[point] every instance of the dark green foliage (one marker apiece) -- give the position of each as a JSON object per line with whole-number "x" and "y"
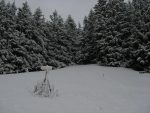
{"x": 116, "y": 33}
{"x": 72, "y": 34}
{"x": 28, "y": 42}
{"x": 88, "y": 44}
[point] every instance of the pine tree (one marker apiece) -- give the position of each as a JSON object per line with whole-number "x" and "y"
{"x": 58, "y": 49}
{"x": 139, "y": 40}
{"x": 78, "y": 43}
{"x": 8, "y": 23}
{"x": 71, "y": 31}
{"x": 24, "y": 17}
{"x": 38, "y": 16}
{"x": 100, "y": 30}
{"x": 115, "y": 24}
{"x": 2, "y": 16}
{"x": 89, "y": 53}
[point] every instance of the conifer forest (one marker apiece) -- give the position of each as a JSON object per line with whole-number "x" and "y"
{"x": 115, "y": 33}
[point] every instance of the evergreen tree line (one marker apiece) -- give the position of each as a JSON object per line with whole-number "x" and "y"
{"x": 28, "y": 41}
{"x": 115, "y": 33}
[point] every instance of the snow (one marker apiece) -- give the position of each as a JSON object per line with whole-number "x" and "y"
{"x": 81, "y": 89}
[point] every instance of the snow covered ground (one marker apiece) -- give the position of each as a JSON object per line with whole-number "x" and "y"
{"x": 82, "y": 89}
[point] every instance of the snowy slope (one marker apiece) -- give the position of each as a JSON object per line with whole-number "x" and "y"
{"x": 82, "y": 89}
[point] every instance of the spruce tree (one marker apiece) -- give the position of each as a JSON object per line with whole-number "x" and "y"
{"x": 58, "y": 49}
{"x": 100, "y": 30}
{"x": 88, "y": 54}
{"x": 71, "y": 31}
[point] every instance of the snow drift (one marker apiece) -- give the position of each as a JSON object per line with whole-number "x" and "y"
{"x": 82, "y": 89}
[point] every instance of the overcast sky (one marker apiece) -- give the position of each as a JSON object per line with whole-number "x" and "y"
{"x": 77, "y": 8}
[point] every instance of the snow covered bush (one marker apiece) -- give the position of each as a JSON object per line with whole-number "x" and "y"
{"x": 44, "y": 88}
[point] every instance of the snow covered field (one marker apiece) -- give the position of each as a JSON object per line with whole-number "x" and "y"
{"x": 82, "y": 89}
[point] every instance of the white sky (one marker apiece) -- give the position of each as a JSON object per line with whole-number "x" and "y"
{"x": 77, "y": 8}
